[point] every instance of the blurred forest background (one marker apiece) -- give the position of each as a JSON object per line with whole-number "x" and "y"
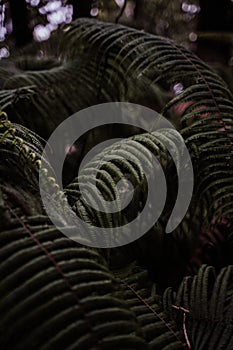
{"x": 205, "y": 27}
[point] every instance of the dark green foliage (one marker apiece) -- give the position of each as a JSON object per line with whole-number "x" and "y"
{"x": 57, "y": 294}
{"x": 207, "y": 300}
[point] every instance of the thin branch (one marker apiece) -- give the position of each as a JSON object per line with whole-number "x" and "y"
{"x": 20, "y": 21}
{"x": 185, "y": 311}
{"x": 151, "y": 309}
{"x": 121, "y": 12}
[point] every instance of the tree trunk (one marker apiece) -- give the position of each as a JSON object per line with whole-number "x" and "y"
{"x": 81, "y": 8}
{"x": 216, "y": 15}
{"x": 19, "y": 14}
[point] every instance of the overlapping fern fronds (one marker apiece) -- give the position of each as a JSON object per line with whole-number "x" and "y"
{"x": 73, "y": 293}
{"x": 126, "y": 58}
{"x": 204, "y": 305}
{"x": 145, "y": 300}
{"x": 102, "y": 62}
{"x": 58, "y": 294}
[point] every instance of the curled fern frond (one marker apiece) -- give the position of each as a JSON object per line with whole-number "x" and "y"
{"x": 130, "y": 159}
{"x": 21, "y": 149}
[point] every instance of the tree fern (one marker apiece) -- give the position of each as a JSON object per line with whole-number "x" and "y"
{"x": 78, "y": 299}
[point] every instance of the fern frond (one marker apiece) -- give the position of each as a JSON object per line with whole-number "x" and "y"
{"x": 144, "y": 300}
{"x": 56, "y": 293}
{"x": 208, "y": 301}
